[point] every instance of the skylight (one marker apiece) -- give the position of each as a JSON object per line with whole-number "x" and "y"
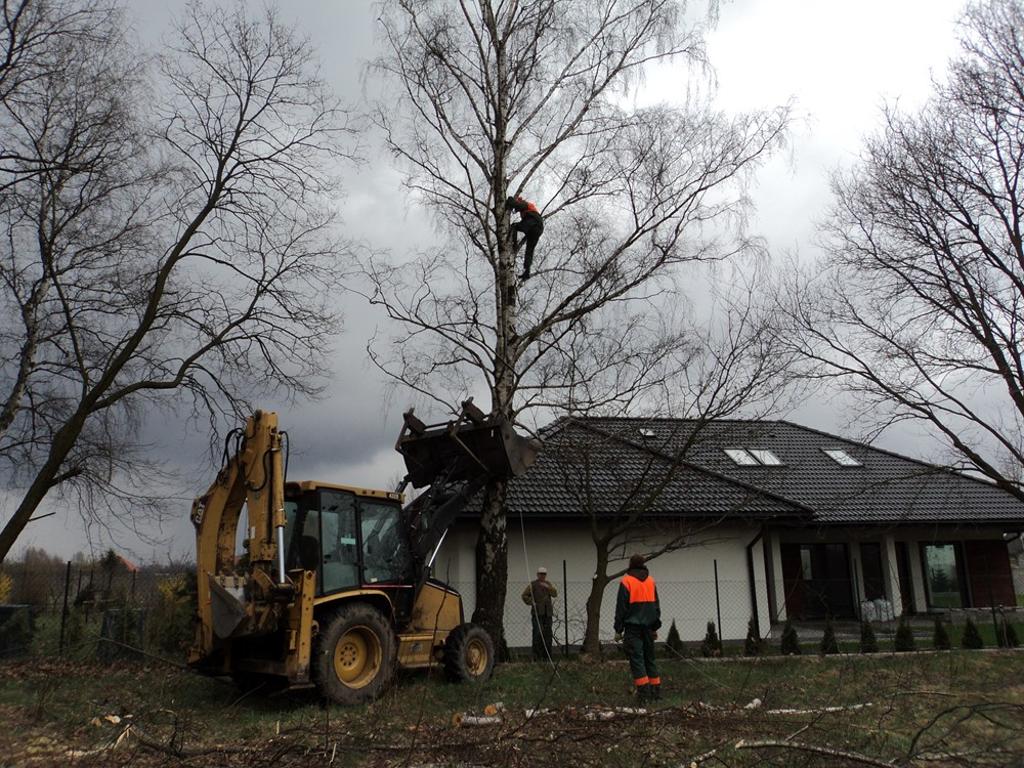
{"x": 742, "y": 457}
{"x": 644, "y": 432}
{"x": 842, "y": 457}
{"x": 766, "y": 457}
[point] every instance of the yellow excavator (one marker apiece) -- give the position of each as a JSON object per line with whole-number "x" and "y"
{"x": 333, "y": 585}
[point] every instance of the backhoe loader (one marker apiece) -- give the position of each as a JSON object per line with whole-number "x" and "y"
{"x": 333, "y": 587}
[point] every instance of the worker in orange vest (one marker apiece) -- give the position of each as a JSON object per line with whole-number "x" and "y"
{"x": 531, "y": 224}
{"x": 638, "y": 617}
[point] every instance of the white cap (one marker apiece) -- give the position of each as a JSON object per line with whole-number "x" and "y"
{"x": 542, "y": 569}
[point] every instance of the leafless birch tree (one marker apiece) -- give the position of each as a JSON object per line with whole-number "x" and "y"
{"x": 495, "y": 98}
{"x": 165, "y": 236}
{"x": 919, "y": 307}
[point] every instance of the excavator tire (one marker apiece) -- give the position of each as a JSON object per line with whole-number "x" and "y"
{"x": 468, "y": 654}
{"x": 356, "y": 655}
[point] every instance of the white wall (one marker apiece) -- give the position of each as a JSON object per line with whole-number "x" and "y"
{"x": 685, "y": 578}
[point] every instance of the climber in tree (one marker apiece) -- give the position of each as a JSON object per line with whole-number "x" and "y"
{"x": 531, "y": 224}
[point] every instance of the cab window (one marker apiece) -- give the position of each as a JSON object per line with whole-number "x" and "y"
{"x": 340, "y": 553}
{"x": 385, "y": 549}
{"x": 301, "y": 537}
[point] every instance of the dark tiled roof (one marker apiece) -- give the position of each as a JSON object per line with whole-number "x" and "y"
{"x": 583, "y": 471}
{"x": 887, "y": 488}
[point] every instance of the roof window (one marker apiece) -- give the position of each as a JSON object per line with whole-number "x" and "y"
{"x": 766, "y": 457}
{"x": 753, "y": 457}
{"x": 841, "y": 457}
{"x": 742, "y": 457}
{"x": 644, "y": 432}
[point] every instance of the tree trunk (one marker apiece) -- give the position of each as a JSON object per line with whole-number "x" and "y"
{"x": 492, "y": 566}
{"x": 492, "y": 540}
{"x": 592, "y": 635}
{"x": 44, "y": 479}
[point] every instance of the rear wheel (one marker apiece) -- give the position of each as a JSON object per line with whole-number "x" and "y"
{"x": 468, "y": 654}
{"x": 355, "y": 657}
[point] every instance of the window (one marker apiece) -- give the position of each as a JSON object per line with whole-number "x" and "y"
{"x": 338, "y": 539}
{"x": 741, "y": 456}
{"x": 301, "y": 537}
{"x": 942, "y": 568}
{"x": 871, "y": 568}
{"x": 766, "y": 457}
{"x": 753, "y": 457}
{"x": 385, "y": 554}
{"x": 806, "y": 569}
{"x": 842, "y": 457}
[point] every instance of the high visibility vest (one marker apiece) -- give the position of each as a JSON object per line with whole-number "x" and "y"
{"x": 639, "y": 591}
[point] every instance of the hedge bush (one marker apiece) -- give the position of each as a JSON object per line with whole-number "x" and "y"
{"x": 790, "y": 642}
{"x": 711, "y": 645}
{"x": 868, "y": 642}
{"x": 828, "y": 639}
{"x": 971, "y": 638}
{"x": 752, "y": 646}
{"x": 940, "y": 638}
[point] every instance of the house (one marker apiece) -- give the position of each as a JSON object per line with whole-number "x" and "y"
{"x": 777, "y": 520}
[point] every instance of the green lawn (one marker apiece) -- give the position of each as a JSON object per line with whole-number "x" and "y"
{"x": 976, "y": 699}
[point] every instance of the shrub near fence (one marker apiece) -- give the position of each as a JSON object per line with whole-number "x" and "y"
{"x": 85, "y": 611}
{"x": 159, "y": 601}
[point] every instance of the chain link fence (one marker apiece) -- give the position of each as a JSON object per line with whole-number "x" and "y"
{"x": 103, "y": 610}
{"x": 98, "y": 610}
{"x": 689, "y": 604}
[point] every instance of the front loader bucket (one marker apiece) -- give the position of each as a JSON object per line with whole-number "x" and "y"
{"x": 227, "y": 610}
{"x": 472, "y": 446}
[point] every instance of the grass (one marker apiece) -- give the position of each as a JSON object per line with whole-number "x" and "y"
{"x": 49, "y": 708}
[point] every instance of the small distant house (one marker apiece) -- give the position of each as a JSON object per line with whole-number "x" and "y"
{"x": 783, "y": 520}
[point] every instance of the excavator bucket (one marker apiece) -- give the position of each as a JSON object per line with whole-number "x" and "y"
{"x": 472, "y": 446}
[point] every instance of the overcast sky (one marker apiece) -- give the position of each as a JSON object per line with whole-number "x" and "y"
{"x": 839, "y": 61}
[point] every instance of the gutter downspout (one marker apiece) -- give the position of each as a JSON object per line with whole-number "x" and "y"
{"x": 753, "y": 583}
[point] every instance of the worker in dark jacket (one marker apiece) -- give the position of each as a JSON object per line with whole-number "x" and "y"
{"x": 531, "y": 224}
{"x": 537, "y": 595}
{"x": 638, "y": 617}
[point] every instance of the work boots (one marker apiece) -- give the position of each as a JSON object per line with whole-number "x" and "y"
{"x": 643, "y": 695}
{"x": 655, "y": 693}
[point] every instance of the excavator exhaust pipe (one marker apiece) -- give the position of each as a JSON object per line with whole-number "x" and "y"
{"x": 473, "y": 445}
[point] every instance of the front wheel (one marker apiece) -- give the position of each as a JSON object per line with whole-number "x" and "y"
{"x": 468, "y": 654}
{"x": 355, "y": 657}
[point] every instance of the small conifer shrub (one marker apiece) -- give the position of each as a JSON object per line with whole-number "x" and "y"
{"x": 940, "y": 638}
{"x": 673, "y": 642}
{"x": 904, "y": 636}
{"x": 790, "y": 642}
{"x": 828, "y": 639}
{"x": 711, "y": 645}
{"x": 752, "y": 645}
{"x": 868, "y": 642}
{"x": 1007, "y": 635}
{"x": 971, "y": 638}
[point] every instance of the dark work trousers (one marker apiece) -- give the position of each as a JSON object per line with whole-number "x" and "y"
{"x": 639, "y": 645}
{"x": 541, "y": 636}
{"x": 532, "y": 228}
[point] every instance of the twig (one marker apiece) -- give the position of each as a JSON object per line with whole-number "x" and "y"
{"x": 820, "y": 711}
{"x": 702, "y": 757}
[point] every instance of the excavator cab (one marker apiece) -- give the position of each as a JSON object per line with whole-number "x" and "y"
{"x": 334, "y": 590}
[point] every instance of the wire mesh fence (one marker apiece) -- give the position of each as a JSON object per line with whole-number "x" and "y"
{"x": 103, "y": 609}
{"x": 100, "y": 609}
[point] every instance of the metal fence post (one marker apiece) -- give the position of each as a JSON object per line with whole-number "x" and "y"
{"x": 995, "y": 624}
{"x": 718, "y": 603}
{"x": 64, "y": 610}
{"x": 565, "y": 604}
